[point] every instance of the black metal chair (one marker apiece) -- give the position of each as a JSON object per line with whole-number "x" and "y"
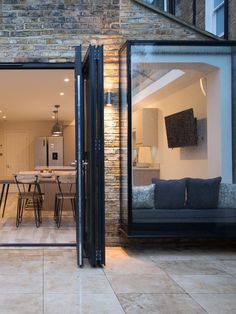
{"x": 66, "y": 185}
{"x": 26, "y": 195}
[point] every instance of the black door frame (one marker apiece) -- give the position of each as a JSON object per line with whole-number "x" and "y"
{"x": 90, "y": 74}
{"x": 37, "y": 66}
{"x": 99, "y": 235}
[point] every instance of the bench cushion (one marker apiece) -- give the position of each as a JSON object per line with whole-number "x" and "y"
{"x": 186, "y": 215}
{"x": 143, "y": 196}
{"x": 227, "y": 195}
{"x": 202, "y": 193}
{"x": 169, "y": 193}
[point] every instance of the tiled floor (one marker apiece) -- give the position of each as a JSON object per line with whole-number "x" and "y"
{"x": 27, "y": 231}
{"x": 133, "y": 281}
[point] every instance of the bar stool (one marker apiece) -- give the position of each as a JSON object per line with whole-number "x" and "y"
{"x": 34, "y": 196}
{"x": 66, "y": 184}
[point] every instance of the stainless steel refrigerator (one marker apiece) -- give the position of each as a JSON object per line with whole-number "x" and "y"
{"x": 48, "y": 151}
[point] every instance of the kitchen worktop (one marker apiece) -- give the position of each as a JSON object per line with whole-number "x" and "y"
{"x": 56, "y": 168}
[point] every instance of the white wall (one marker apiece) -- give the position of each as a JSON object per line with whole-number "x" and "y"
{"x": 34, "y": 129}
{"x": 186, "y": 161}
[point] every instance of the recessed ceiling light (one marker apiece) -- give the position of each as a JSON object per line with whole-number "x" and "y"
{"x": 4, "y": 117}
{"x": 66, "y": 79}
{"x": 0, "y": 111}
{"x": 62, "y": 94}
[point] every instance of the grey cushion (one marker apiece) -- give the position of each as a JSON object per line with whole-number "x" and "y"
{"x": 227, "y": 195}
{"x": 217, "y": 215}
{"x": 143, "y": 196}
{"x": 169, "y": 193}
{"x": 202, "y": 193}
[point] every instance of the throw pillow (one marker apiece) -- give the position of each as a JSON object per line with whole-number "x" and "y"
{"x": 203, "y": 193}
{"x": 143, "y": 196}
{"x": 169, "y": 194}
{"x": 227, "y": 195}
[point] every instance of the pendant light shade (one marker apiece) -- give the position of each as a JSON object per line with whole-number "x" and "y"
{"x": 57, "y": 129}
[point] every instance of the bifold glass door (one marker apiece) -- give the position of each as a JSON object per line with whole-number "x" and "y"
{"x": 90, "y": 156}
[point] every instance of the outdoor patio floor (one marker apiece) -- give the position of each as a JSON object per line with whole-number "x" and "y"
{"x": 47, "y": 280}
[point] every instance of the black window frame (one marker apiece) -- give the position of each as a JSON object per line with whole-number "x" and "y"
{"x": 132, "y": 230}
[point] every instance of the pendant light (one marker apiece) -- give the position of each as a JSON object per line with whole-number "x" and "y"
{"x": 57, "y": 129}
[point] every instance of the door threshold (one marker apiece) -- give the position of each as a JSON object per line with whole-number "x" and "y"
{"x": 37, "y": 245}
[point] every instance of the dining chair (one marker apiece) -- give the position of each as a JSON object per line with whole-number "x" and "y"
{"x": 66, "y": 186}
{"x": 34, "y": 196}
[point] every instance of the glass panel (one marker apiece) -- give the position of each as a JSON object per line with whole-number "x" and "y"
{"x": 124, "y": 139}
{"x": 220, "y": 21}
{"x": 156, "y": 3}
{"x": 217, "y": 2}
{"x": 234, "y": 109}
{"x": 181, "y": 126}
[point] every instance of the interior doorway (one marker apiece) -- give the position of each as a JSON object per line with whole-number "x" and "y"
{"x": 45, "y": 104}
{"x": 28, "y": 115}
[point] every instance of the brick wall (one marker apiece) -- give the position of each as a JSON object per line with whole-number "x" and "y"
{"x": 232, "y": 20}
{"x": 200, "y": 14}
{"x": 185, "y": 12}
{"x": 48, "y": 31}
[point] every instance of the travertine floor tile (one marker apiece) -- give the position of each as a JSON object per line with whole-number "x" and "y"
{"x": 18, "y": 303}
{"x": 66, "y": 262}
{"x": 217, "y": 303}
{"x": 159, "y": 303}
{"x": 190, "y": 267}
{"x": 143, "y": 284}
{"x": 21, "y": 283}
{"x": 131, "y": 266}
{"x": 157, "y": 283}
{"x": 229, "y": 266}
{"x": 76, "y": 283}
{"x": 82, "y": 303}
{"x": 206, "y": 283}
{"x": 21, "y": 262}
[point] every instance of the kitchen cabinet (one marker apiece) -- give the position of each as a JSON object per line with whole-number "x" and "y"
{"x": 144, "y": 176}
{"x": 145, "y": 126}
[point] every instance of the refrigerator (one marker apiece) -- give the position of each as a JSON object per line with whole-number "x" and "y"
{"x": 48, "y": 151}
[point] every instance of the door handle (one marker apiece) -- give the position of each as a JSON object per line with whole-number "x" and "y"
{"x": 73, "y": 163}
{"x": 8, "y": 166}
{"x": 84, "y": 164}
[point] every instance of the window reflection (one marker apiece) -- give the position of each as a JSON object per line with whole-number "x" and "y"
{"x": 186, "y": 84}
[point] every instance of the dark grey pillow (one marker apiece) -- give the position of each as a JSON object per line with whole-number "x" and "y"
{"x": 143, "y": 196}
{"x": 169, "y": 194}
{"x": 202, "y": 193}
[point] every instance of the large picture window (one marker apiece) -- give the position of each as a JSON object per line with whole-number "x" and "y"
{"x": 176, "y": 123}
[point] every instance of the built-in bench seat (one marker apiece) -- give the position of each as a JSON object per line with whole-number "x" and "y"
{"x": 219, "y": 215}
{"x": 162, "y": 208}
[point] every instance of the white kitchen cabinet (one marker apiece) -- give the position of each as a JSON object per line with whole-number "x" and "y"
{"x": 145, "y": 126}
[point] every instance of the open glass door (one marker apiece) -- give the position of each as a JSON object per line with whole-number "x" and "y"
{"x": 90, "y": 156}
{"x": 79, "y": 144}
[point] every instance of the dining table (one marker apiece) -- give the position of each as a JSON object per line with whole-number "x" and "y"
{"x": 48, "y": 186}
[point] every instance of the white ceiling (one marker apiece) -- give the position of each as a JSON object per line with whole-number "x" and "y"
{"x": 192, "y": 73}
{"x": 32, "y": 94}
